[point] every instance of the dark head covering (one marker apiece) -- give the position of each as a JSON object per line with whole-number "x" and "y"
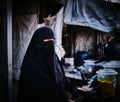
{"x": 43, "y": 33}
{"x": 42, "y": 78}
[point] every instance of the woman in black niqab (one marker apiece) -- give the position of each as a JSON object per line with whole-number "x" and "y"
{"x": 42, "y": 78}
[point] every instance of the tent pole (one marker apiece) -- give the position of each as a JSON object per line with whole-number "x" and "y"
{"x": 9, "y": 48}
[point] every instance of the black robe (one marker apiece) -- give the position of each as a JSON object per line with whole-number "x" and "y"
{"x": 42, "y": 78}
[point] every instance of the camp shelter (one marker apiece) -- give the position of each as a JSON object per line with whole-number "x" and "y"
{"x": 80, "y": 25}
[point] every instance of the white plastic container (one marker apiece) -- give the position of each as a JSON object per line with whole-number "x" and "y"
{"x": 106, "y": 82}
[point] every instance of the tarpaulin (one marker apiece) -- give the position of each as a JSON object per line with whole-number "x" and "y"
{"x": 97, "y": 14}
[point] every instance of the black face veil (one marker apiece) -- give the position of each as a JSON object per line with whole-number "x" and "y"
{"x": 37, "y": 41}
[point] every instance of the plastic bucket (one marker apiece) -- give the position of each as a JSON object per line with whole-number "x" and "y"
{"x": 106, "y": 82}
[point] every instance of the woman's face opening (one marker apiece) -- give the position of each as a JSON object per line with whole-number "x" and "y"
{"x": 49, "y": 39}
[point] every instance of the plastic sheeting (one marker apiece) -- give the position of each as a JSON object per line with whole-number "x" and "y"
{"x": 97, "y": 14}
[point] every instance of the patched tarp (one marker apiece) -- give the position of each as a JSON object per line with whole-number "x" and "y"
{"x": 97, "y": 14}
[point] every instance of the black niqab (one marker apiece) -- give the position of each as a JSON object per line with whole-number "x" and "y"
{"x": 42, "y": 78}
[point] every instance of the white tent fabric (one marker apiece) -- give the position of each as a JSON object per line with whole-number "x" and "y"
{"x": 97, "y": 14}
{"x": 58, "y": 32}
{"x": 23, "y": 28}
